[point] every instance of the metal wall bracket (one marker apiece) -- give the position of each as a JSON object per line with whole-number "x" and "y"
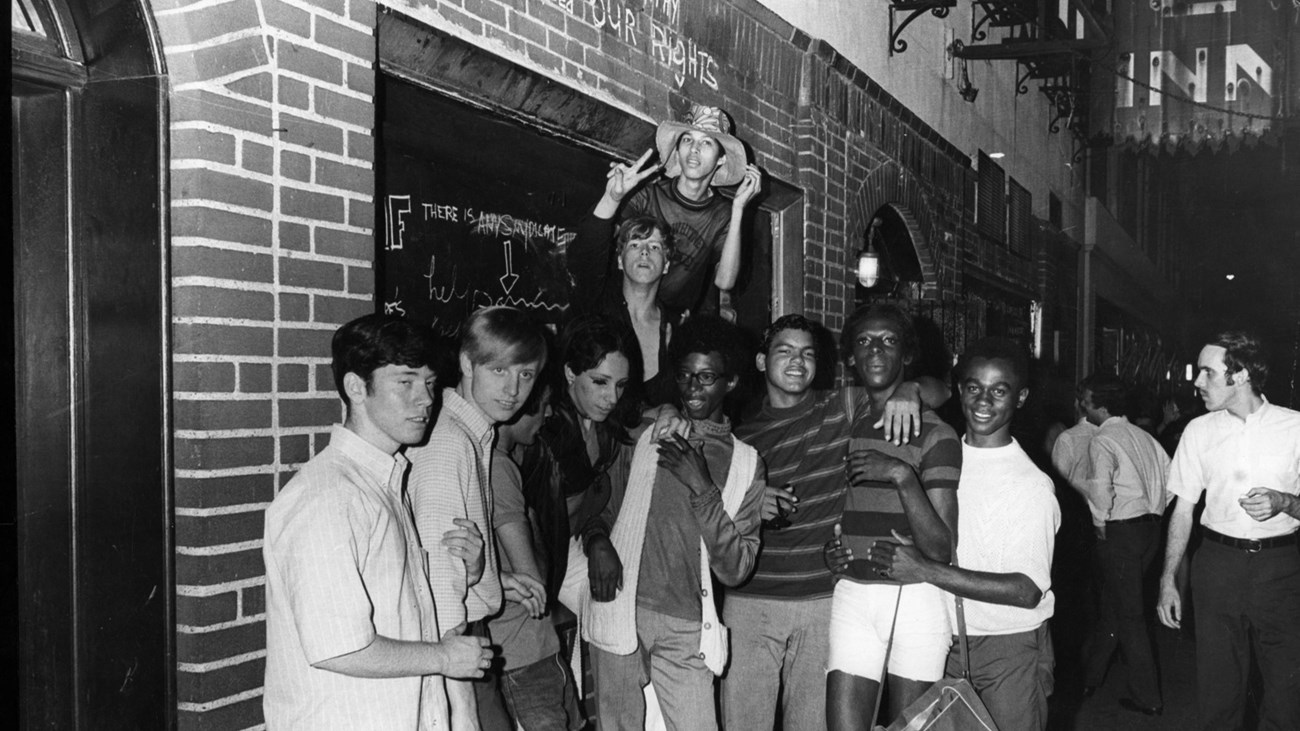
{"x": 913, "y": 9}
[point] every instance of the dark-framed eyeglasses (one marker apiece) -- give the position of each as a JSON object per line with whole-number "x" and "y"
{"x": 705, "y": 378}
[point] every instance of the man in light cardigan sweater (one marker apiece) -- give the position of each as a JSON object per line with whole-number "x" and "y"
{"x": 691, "y": 507}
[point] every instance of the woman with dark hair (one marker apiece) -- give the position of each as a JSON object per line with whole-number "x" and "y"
{"x": 567, "y": 471}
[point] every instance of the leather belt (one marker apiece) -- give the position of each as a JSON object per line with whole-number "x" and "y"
{"x": 1252, "y": 545}
{"x": 1148, "y": 518}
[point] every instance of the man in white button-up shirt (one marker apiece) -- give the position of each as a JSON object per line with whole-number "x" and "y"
{"x": 1122, "y": 475}
{"x": 1245, "y": 457}
{"x": 352, "y": 635}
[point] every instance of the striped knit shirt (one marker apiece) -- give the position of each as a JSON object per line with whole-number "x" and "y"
{"x": 873, "y": 509}
{"x": 805, "y": 448}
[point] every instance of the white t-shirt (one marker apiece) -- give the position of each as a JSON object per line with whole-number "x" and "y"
{"x": 1006, "y": 523}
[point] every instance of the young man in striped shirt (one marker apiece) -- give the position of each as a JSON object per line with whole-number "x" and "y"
{"x": 779, "y": 619}
{"x": 908, "y": 489}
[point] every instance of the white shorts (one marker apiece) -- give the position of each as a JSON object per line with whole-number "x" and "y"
{"x": 860, "y": 618}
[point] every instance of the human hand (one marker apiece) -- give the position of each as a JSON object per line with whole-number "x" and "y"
{"x": 521, "y": 588}
{"x": 749, "y": 186}
{"x": 622, "y": 179}
{"x": 902, "y": 417}
{"x": 1169, "y": 608}
{"x": 876, "y": 466}
{"x": 837, "y": 556}
{"x": 686, "y": 462}
{"x": 669, "y": 421}
{"x": 898, "y": 560}
{"x": 778, "y": 502}
{"x": 1262, "y": 503}
{"x": 604, "y": 569}
{"x": 466, "y": 543}
{"x": 463, "y": 656}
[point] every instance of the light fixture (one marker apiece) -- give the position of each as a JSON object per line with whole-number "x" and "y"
{"x": 997, "y": 155}
{"x": 1187, "y": 372}
{"x": 964, "y": 87}
{"x": 868, "y": 266}
{"x": 1230, "y": 277}
{"x": 868, "y": 260}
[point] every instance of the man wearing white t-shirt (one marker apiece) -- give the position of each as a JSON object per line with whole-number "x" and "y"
{"x": 1244, "y": 455}
{"x": 1006, "y": 532}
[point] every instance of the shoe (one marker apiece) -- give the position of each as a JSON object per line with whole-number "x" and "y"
{"x": 1089, "y": 691}
{"x": 1129, "y": 704}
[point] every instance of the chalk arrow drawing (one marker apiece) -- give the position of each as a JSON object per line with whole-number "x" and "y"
{"x": 508, "y": 281}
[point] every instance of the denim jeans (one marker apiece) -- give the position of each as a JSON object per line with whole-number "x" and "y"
{"x": 776, "y": 644}
{"x": 667, "y": 656}
{"x": 540, "y": 697}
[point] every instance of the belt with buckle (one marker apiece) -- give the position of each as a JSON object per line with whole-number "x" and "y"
{"x": 1148, "y": 518}
{"x": 1253, "y": 545}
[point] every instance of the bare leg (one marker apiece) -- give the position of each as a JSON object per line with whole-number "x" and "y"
{"x": 850, "y": 702}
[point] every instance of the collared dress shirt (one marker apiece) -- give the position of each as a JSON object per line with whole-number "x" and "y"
{"x": 1225, "y": 457}
{"x": 1125, "y": 472}
{"x": 344, "y": 565}
{"x": 450, "y": 478}
{"x": 1071, "y": 447}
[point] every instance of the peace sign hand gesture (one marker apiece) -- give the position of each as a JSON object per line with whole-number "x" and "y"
{"x": 622, "y": 179}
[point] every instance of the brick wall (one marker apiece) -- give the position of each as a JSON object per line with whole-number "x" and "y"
{"x": 272, "y": 223}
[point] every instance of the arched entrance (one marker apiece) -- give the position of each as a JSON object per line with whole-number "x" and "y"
{"x": 90, "y": 455}
{"x": 892, "y": 234}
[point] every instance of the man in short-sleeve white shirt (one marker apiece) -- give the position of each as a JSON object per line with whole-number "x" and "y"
{"x": 353, "y": 641}
{"x": 1244, "y": 456}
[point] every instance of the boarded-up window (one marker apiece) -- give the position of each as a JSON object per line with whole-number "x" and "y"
{"x": 991, "y": 199}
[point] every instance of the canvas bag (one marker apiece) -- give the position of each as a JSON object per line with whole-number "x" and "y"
{"x": 950, "y": 704}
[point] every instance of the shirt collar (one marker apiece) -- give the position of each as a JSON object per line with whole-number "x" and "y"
{"x": 1115, "y": 420}
{"x": 470, "y": 415}
{"x": 1260, "y": 413}
{"x": 714, "y": 428}
{"x": 372, "y": 459}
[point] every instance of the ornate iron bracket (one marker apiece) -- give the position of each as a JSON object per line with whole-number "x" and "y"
{"x": 913, "y": 8}
{"x": 1022, "y": 80}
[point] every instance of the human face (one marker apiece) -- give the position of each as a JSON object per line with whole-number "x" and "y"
{"x": 699, "y": 153}
{"x": 498, "y": 387}
{"x": 1216, "y": 387}
{"x": 878, "y": 355}
{"x": 701, "y": 402}
{"x": 1090, "y": 410}
{"x": 595, "y": 391}
{"x": 524, "y": 429}
{"x": 644, "y": 260}
{"x": 394, "y": 408}
{"x": 790, "y": 363}
{"x": 990, "y": 395}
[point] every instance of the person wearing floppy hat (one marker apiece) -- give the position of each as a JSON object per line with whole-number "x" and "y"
{"x": 695, "y": 156}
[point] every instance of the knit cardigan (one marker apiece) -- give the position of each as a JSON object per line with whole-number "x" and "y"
{"x": 611, "y": 625}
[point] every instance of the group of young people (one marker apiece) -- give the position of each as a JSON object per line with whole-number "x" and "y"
{"x": 799, "y": 561}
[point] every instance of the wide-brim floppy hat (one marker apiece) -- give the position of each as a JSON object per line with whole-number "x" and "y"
{"x": 716, "y": 124}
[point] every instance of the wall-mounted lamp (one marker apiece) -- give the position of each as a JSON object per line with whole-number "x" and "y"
{"x": 868, "y": 266}
{"x": 964, "y": 87}
{"x": 868, "y": 260}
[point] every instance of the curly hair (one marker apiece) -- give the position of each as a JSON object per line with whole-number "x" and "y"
{"x": 996, "y": 348}
{"x": 902, "y": 323}
{"x": 788, "y": 322}
{"x": 709, "y": 334}
{"x": 1244, "y": 350}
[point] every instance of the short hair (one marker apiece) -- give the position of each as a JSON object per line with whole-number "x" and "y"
{"x": 708, "y": 334}
{"x": 503, "y": 332}
{"x": 789, "y": 322}
{"x": 1108, "y": 392}
{"x": 996, "y": 348}
{"x": 903, "y": 324}
{"x": 373, "y": 341}
{"x": 1244, "y": 350}
{"x": 639, "y": 227}
{"x": 588, "y": 339}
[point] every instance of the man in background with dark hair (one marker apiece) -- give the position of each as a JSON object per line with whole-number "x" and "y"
{"x": 1244, "y": 456}
{"x": 1006, "y": 534}
{"x": 352, "y": 634}
{"x": 1123, "y": 476}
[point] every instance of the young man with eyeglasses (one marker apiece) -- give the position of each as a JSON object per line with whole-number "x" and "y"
{"x": 692, "y": 508}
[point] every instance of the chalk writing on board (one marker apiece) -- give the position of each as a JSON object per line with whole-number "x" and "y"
{"x": 508, "y": 281}
{"x": 398, "y": 206}
{"x": 394, "y": 307}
